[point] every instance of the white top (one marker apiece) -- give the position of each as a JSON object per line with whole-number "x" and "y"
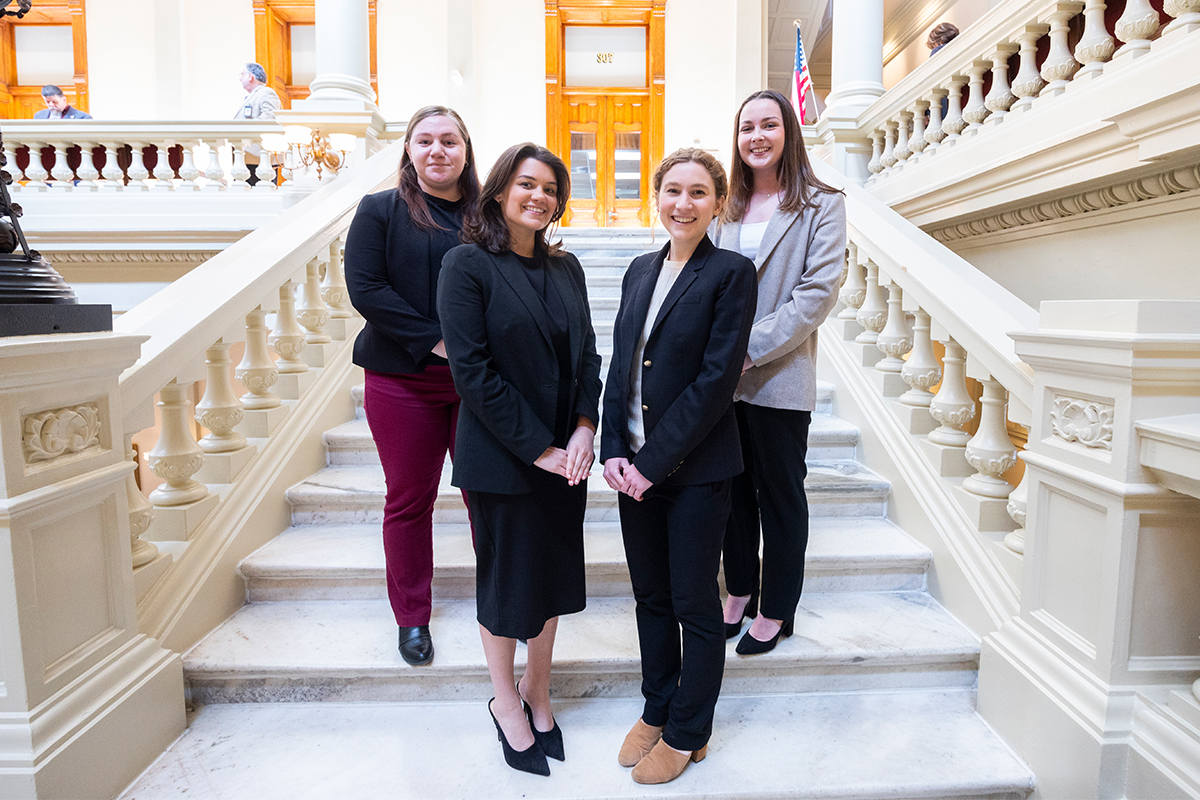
{"x": 637, "y": 426}
{"x": 751, "y": 238}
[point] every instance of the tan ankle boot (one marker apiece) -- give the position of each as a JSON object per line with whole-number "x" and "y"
{"x": 638, "y": 742}
{"x": 664, "y": 764}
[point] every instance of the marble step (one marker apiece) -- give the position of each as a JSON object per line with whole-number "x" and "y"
{"x": 848, "y": 746}
{"x": 829, "y": 438}
{"x": 346, "y": 652}
{"x": 354, "y": 494}
{"x": 345, "y": 562}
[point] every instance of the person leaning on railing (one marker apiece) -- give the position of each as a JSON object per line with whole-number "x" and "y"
{"x": 393, "y": 257}
{"x": 794, "y": 227}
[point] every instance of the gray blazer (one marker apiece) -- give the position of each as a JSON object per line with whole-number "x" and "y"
{"x": 799, "y": 266}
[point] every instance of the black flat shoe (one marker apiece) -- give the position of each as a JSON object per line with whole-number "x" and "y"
{"x": 532, "y": 759}
{"x": 551, "y": 740}
{"x": 732, "y": 629}
{"x": 749, "y": 646}
{"x": 416, "y": 645}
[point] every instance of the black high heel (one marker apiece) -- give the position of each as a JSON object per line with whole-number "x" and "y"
{"x": 732, "y": 629}
{"x": 749, "y": 646}
{"x": 551, "y": 740}
{"x": 532, "y": 759}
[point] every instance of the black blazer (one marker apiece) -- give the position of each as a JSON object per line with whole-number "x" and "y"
{"x": 498, "y": 341}
{"x": 391, "y": 272}
{"x": 690, "y": 367}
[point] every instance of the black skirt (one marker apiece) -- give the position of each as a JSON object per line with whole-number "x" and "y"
{"x": 529, "y": 555}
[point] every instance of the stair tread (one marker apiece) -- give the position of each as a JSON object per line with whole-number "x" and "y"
{"x": 358, "y": 639}
{"x": 895, "y": 744}
{"x": 357, "y": 550}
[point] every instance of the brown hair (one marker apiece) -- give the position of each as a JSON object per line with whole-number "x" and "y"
{"x": 685, "y": 155}
{"x": 794, "y": 171}
{"x": 487, "y": 227}
{"x": 941, "y": 34}
{"x": 410, "y": 188}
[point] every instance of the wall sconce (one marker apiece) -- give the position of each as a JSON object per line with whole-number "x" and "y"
{"x": 304, "y": 147}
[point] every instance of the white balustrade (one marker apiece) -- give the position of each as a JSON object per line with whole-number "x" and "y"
{"x": 176, "y": 457}
{"x": 902, "y": 152}
{"x": 112, "y": 172}
{"x": 854, "y": 287}
{"x": 875, "y": 165}
{"x": 934, "y": 134}
{"x": 188, "y": 171}
{"x": 918, "y": 142}
{"x": 87, "y": 172}
{"x": 872, "y": 315}
{"x": 976, "y": 111}
{"x": 990, "y": 451}
{"x": 258, "y": 372}
{"x": 10, "y": 162}
{"x": 141, "y": 512}
{"x": 138, "y": 172}
{"x": 921, "y": 371}
{"x": 163, "y": 173}
{"x": 313, "y": 314}
{"x": 896, "y": 338}
{"x": 333, "y": 286}
{"x": 1186, "y": 15}
{"x": 1018, "y": 503}
{"x": 220, "y": 410}
{"x": 288, "y": 337}
{"x": 888, "y": 159}
{"x": 1096, "y": 46}
{"x": 1060, "y": 66}
{"x": 1137, "y": 24}
{"x": 1028, "y": 81}
{"x": 35, "y": 172}
{"x": 62, "y": 172}
{"x": 952, "y": 406}
{"x": 1000, "y": 97}
{"x": 954, "y": 124}
{"x": 240, "y": 172}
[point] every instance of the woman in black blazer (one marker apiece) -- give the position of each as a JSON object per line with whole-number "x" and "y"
{"x": 393, "y": 256}
{"x": 670, "y": 446}
{"x": 522, "y": 351}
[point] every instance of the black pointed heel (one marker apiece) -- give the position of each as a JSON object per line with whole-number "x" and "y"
{"x": 749, "y": 646}
{"x": 532, "y": 759}
{"x": 551, "y": 740}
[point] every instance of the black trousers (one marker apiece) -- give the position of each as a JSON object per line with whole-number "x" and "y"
{"x": 771, "y": 488}
{"x": 673, "y": 546}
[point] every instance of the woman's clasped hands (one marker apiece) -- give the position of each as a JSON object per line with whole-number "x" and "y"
{"x": 625, "y": 478}
{"x": 575, "y": 462}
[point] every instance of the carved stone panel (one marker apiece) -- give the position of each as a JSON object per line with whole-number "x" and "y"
{"x": 1087, "y": 422}
{"x": 47, "y": 435}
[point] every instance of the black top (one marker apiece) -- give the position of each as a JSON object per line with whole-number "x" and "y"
{"x": 392, "y": 269}
{"x": 535, "y": 271}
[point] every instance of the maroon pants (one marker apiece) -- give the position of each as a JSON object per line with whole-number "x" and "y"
{"x": 412, "y": 419}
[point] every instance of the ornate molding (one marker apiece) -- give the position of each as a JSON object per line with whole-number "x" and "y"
{"x": 1084, "y": 421}
{"x": 1164, "y": 184}
{"x": 46, "y": 435}
{"x": 131, "y": 257}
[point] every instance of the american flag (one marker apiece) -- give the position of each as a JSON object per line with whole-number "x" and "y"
{"x": 801, "y": 81}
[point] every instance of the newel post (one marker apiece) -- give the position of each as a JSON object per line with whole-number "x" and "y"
{"x": 1109, "y": 610}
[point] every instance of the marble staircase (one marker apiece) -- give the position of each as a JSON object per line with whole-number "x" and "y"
{"x": 301, "y": 693}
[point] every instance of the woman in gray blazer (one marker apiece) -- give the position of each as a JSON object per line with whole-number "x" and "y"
{"x": 794, "y": 228}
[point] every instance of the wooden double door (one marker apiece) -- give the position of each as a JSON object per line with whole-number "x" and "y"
{"x": 606, "y": 145}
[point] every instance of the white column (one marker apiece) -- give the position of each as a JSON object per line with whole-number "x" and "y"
{"x": 857, "y": 82}
{"x": 343, "y": 53}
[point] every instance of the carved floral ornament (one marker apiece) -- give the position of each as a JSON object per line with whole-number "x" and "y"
{"x": 1087, "y": 422}
{"x": 47, "y": 435}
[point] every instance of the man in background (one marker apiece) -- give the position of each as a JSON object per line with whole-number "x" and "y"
{"x": 57, "y": 106}
{"x": 261, "y": 103}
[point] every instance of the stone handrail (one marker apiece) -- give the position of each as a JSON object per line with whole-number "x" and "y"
{"x": 123, "y": 155}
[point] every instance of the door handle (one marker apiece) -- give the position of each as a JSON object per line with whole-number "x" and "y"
{"x": 612, "y": 215}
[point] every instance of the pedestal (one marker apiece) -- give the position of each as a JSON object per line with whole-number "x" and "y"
{"x": 950, "y": 462}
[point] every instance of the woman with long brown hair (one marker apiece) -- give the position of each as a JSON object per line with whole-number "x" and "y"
{"x": 519, "y": 338}
{"x": 393, "y": 256}
{"x": 794, "y": 228}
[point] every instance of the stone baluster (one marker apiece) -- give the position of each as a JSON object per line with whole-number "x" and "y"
{"x": 288, "y": 336}
{"x": 114, "y": 177}
{"x": 896, "y": 338}
{"x": 888, "y": 159}
{"x": 952, "y": 406}
{"x": 220, "y": 410}
{"x": 1018, "y": 502}
{"x": 313, "y": 314}
{"x": 918, "y": 144}
{"x": 1060, "y": 66}
{"x": 1186, "y": 15}
{"x": 1137, "y": 24}
{"x": 1000, "y": 97}
{"x": 265, "y": 173}
{"x": 62, "y": 172}
{"x": 934, "y": 133}
{"x": 258, "y": 372}
{"x": 141, "y": 513}
{"x": 1096, "y": 46}
{"x": 188, "y": 170}
{"x": 35, "y": 172}
{"x": 213, "y": 171}
{"x": 872, "y": 314}
{"x": 954, "y": 123}
{"x": 10, "y": 163}
{"x": 902, "y": 151}
{"x": 176, "y": 457}
{"x": 990, "y": 451}
{"x": 87, "y": 172}
{"x": 921, "y": 371}
{"x": 240, "y": 172}
{"x": 1028, "y": 82}
{"x": 875, "y": 166}
{"x": 976, "y": 111}
{"x": 333, "y": 286}
{"x": 164, "y": 176}
{"x": 138, "y": 173}
{"x": 854, "y": 288}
